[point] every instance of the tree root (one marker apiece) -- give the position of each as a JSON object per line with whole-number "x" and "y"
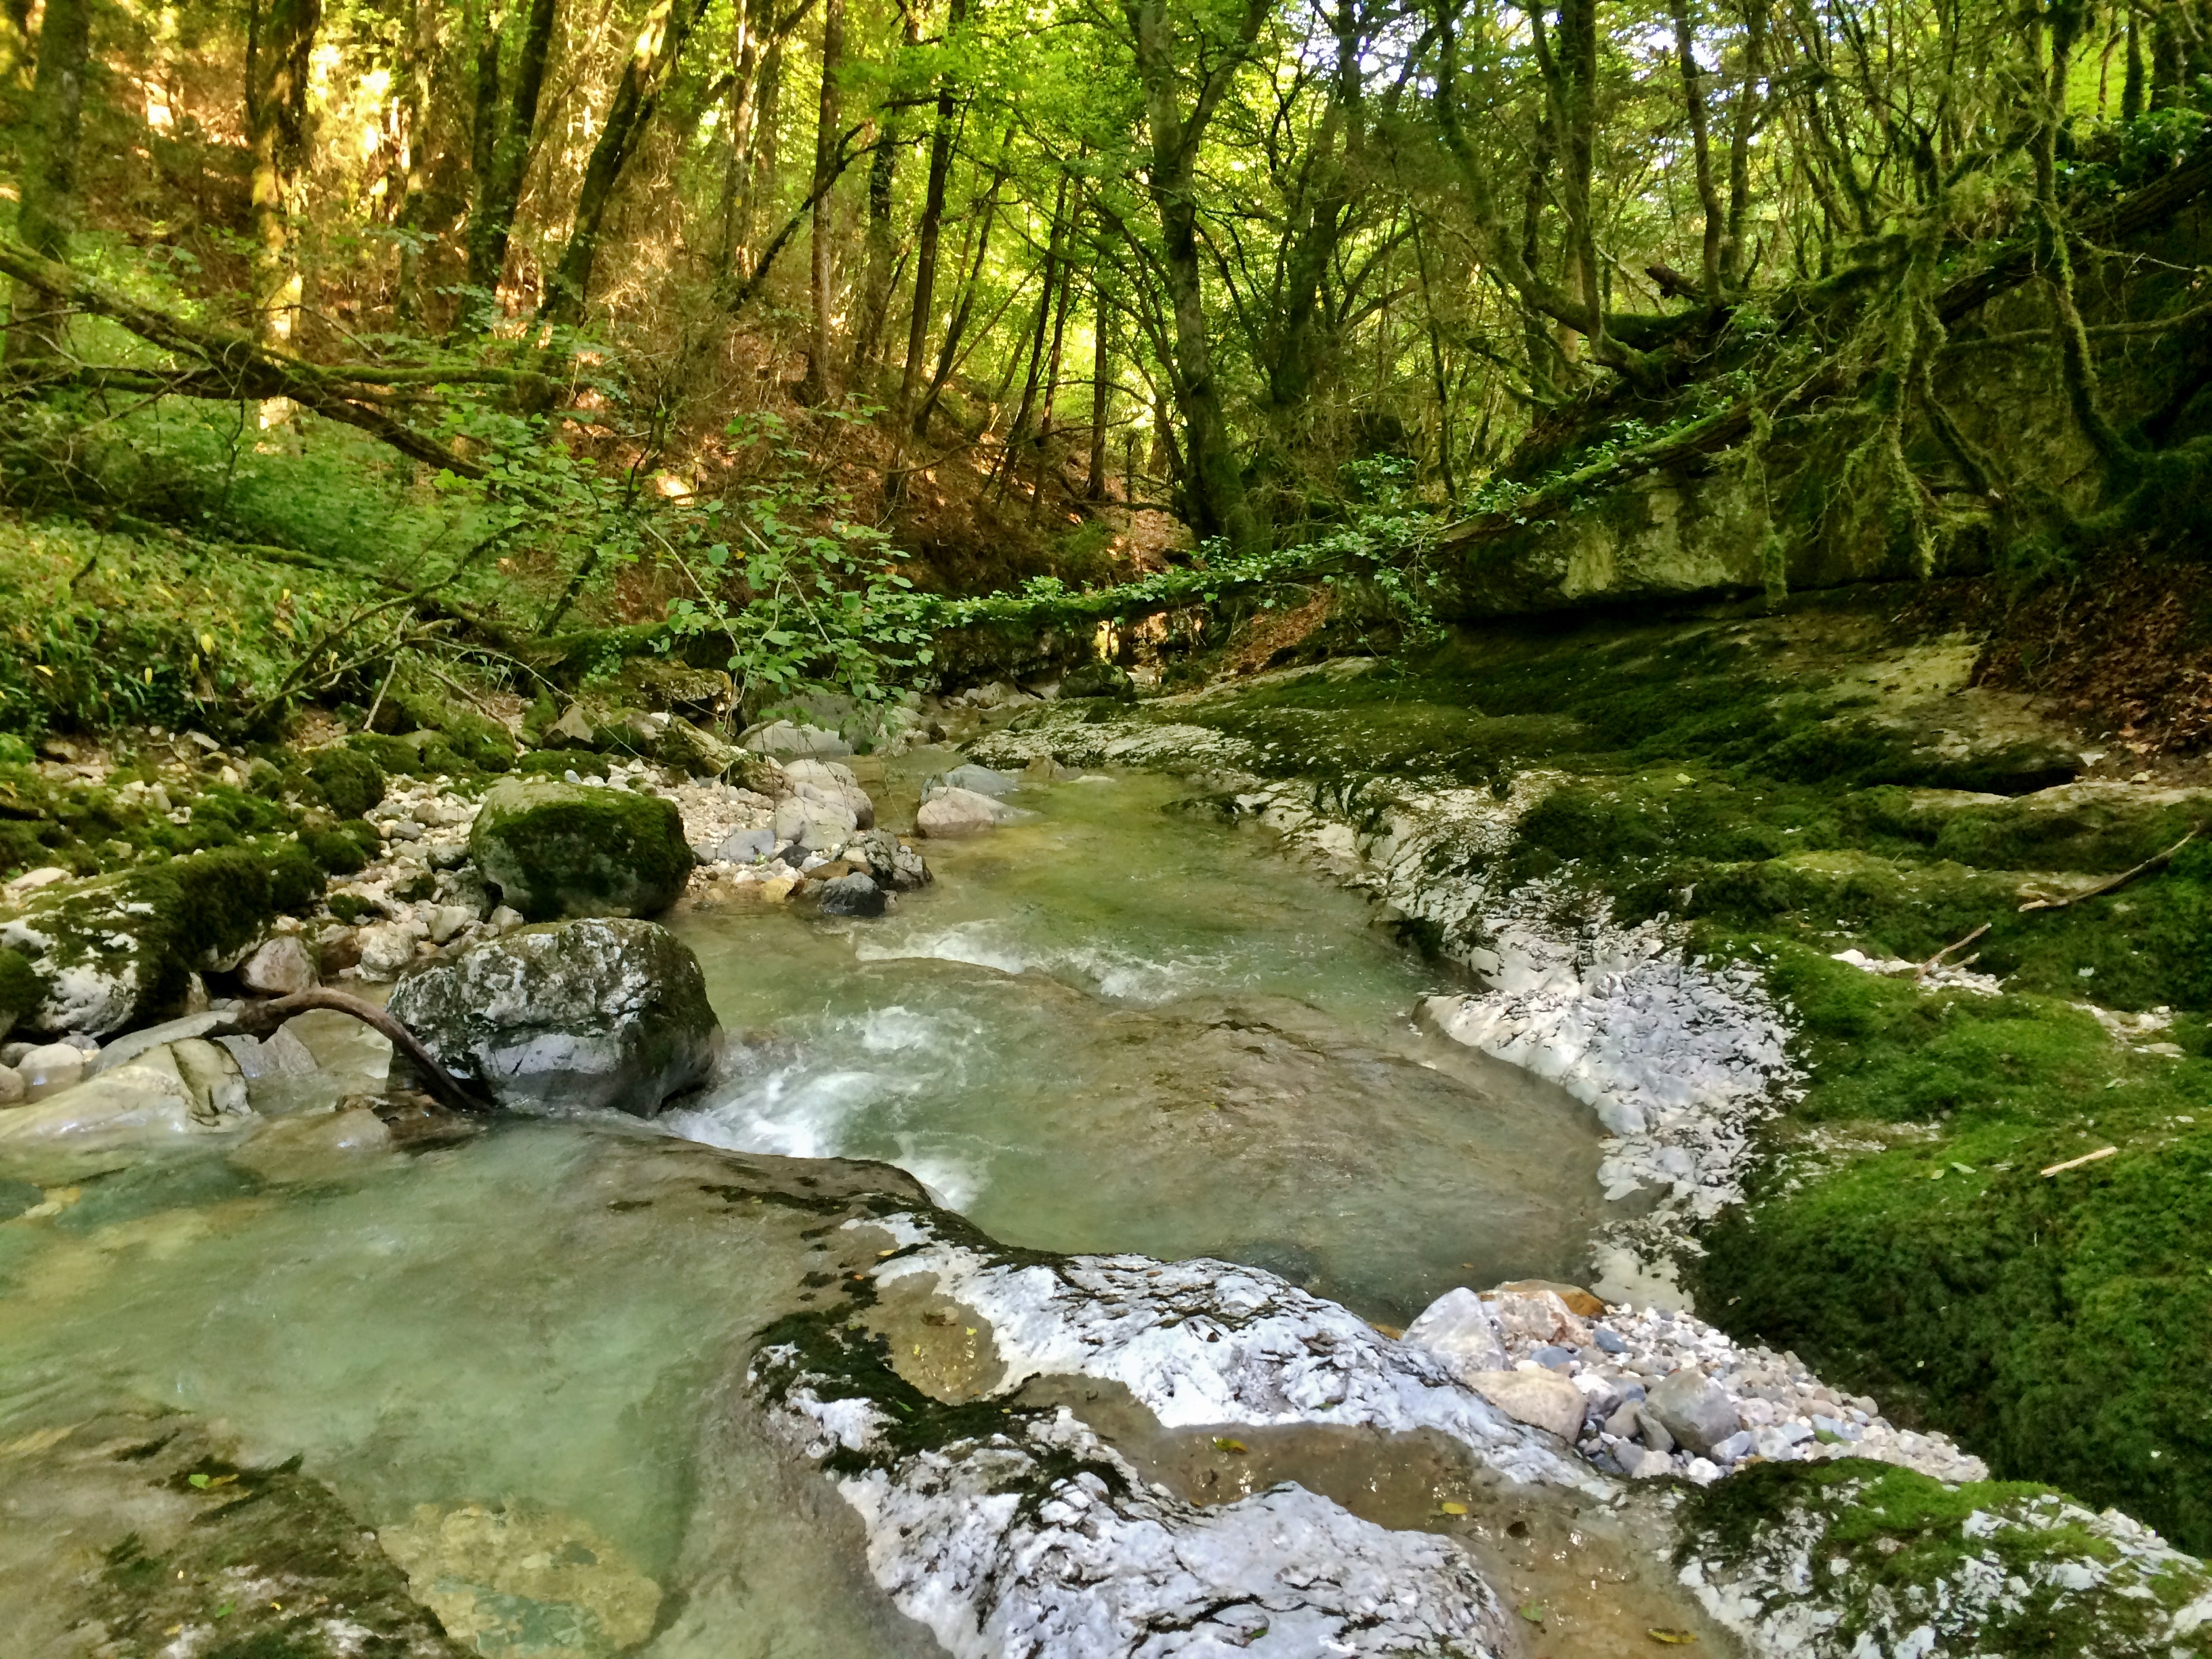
{"x": 258, "y": 1019}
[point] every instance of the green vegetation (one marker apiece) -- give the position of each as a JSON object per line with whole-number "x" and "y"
{"x": 1889, "y": 1546}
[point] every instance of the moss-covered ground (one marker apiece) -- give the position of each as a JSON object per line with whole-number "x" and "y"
{"x": 1798, "y": 786}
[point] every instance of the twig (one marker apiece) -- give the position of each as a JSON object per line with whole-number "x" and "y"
{"x": 1928, "y": 966}
{"x": 2076, "y": 1162}
{"x": 2113, "y": 883}
{"x": 259, "y": 1018}
{"x": 377, "y": 702}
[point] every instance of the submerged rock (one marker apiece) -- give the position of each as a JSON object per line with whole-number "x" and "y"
{"x": 148, "y": 1529}
{"x": 577, "y": 1016}
{"x": 981, "y": 780}
{"x": 563, "y": 849}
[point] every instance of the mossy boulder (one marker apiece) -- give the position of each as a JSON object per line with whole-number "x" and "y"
{"x": 112, "y": 951}
{"x": 572, "y": 1016}
{"x": 567, "y": 849}
{"x": 1098, "y": 679}
{"x": 1861, "y": 1558}
{"x": 351, "y": 780}
{"x": 20, "y": 990}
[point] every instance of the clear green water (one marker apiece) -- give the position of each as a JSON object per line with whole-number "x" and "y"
{"x": 1119, "y": 1027}
{"x": 527, "y": 1325}
{"x": 1110, "y": 1027}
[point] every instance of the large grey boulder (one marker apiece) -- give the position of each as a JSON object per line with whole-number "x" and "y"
{"x": 573, "y": 1016}
{"x": 567, "y": 849}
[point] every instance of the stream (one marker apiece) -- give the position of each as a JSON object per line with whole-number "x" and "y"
{"x": 1120, "y": 1026}
{"x": 1114, "y": 1026}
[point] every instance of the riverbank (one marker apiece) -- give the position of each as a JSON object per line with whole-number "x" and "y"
{"x": 928, "y": 1371}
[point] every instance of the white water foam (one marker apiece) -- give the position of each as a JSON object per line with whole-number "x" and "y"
{"x": 1117, "y": 975}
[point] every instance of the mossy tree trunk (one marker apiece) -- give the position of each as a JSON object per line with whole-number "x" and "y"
{"x": 280, "y": 46}
{"x": 47, "y": 183}
{"x": 1214, "y": 483}
{"x": 816, "y": 384}
{"x": 499, "y": 186}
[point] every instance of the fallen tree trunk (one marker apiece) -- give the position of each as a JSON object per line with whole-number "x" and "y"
{"x": 227, "y": 365}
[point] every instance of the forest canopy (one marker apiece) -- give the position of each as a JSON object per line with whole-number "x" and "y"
{"x": 1268, "y": 264}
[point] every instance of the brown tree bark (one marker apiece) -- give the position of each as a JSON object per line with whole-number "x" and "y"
{"x": 1214, "y": 481}
{"x": 499, "y": 186}
{"x": 931, "y": 227}
{"x": 279, "y": 42}
{"x": 637, "y": 96}
{"x": 52, "y": 139}
{"x": 815, "y": 386}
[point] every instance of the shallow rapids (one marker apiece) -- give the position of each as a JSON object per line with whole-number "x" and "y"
{"x": 1120, "y": 1026}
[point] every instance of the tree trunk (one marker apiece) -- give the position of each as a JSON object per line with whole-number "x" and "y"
{"x": 932, "y": 226}
{"x": 50, "y": 140}
{"x": 747, "y": 33}
{"x": 1215, "y": 484}
{"x": 645, "y": 78}
{"x": 1051, "y": 386}
{"x": 815, "y": 386}
{"x": 279, "y": 42}
{"x": 499, "y": 187}
{"x": 419, "y": 66}
{"x": 1102, "y": 363}
{"x": 1578, "y": 145}
{"x": 1744, "y": 124}
{"x": 1701, "y": 149}
{"x": 1019, "y": 429}
{"x": 883, "y": 237}
{"x": 948, "y": 351}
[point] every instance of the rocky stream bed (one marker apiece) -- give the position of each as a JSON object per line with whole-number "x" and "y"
{"x": 309, "y": 1351}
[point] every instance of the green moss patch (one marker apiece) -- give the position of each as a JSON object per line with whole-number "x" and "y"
{"x": 2010, "y": 1569}
{"x": 351, "y": 781}
{"x": 563, "y": 849}
{"x": 113, "y": 951}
